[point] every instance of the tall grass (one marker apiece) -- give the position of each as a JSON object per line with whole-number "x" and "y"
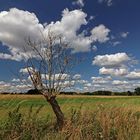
{"x": 114, "y": 123}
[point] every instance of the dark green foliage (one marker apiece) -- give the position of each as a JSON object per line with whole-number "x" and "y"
{"x": 137, "y": 91}
{"x": 129, "y": 93}
{"x": 105, "y": 93}
{"x": 33, "y": 92}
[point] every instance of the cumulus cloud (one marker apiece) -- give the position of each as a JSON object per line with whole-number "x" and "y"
{"x": 107, "y": 83}
{"x": 79, "y": 3}
{"x": 2, "y": 82}
{"x": 66, "y": 84}
{"x": 88, "y": 85}
{"x": 56, "y": 77}
{"x": 100, "y": 33}
{"x": 134, "y": 75}
{"x": 113, "y": 71}
{"x": 101, "y": 80}
{"x": 6, "y": 56}
{"x": 111, "y": 60}
{"x": 116, "y": 66}
{"x": 82, "y": 81}
{"x": 15, "y": 80}
{"x": 15, "y": 27}
{"x": 118, "y": 82}
{"x": 18, "y": 25}
{"x": 69, "y": 28}
{"x": 13, "y": 87}
{"x": 4, "y": 86}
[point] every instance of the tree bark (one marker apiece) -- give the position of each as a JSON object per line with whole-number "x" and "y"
{"x": 58, "y": 112}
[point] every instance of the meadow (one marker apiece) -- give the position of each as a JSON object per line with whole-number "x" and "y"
{"x": 29, "y": 117}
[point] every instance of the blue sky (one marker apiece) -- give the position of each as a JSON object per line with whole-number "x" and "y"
{"x": 108, "y": 31}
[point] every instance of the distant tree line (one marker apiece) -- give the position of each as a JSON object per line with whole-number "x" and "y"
{"x": 106, "y": 93}
{"x": 100, "y": 92}
{"x": 110, "y": 93}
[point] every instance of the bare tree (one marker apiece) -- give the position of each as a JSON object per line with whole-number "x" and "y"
{"x": 49, "y": 68}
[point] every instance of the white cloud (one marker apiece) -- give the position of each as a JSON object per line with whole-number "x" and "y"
{"x": 25, "y": 70}
{"x": 113, "y": 71}
{"x": 111, "y": 60}
{"x": 17, "y": 25}
{"x": 56, "y": 77}
{"x": 63, "y": 76}
{"x": 4, "y": 87}
{"x": 15, "y": 80}
{"x": 115, "y": 43}
{"x": 100, "y": 33}
{"x": 107, "y": 2}
{"x": 69, "y": 28}
{"x": 92, "y": 17}
{"x": 66, "y": 84}
{"x": 6, "y": 56}
{"x": 88, "y": 85}
{"x": 2, "y": 82}
{"x": 15, "y": 55}
{"x": 134, "y": 75}
{"x": 14, "y": 87}
{"x": 136, "y": 84}
{"x": 79, "y": 3}
{"x": 22, "y": 87}
{"x": 107, "y": 83}
{"x": 118, "y": 82}
{"x": 77, "y": 77}
{"x": 101, "y": 80}
{"x": 94, "y": 48}
{"x": 124, "y": 34}
{"x": 82, "y": 81}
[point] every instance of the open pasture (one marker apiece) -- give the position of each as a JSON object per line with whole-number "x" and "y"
{"x": 67, "y": 102}
{"x": 25, "y": 117}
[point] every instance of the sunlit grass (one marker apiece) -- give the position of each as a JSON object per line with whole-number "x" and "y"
{"x": 90, "y": 103}
{"x": 87, "y": 117}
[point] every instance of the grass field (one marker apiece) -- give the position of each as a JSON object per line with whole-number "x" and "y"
{"x": 9, "y": 102}
{"x": 104, "y": 117}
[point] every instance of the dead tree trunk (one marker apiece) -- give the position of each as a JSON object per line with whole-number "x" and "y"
{"x": 57, "y": 110}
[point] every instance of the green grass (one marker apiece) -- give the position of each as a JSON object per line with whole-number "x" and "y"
{"x": 90, "y": 103}
{"x": 37, "y": 99}
{"x": 10, "y": 101}
{"x": 87, "y": 117}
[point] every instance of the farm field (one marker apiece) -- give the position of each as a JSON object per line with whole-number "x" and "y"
{"x": 103, "y": 117}
{"x": 67, "y": 102}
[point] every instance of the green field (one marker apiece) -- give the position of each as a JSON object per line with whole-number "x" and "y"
{"x": 9, "y": 102}
{"x": 115, "y": 117}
